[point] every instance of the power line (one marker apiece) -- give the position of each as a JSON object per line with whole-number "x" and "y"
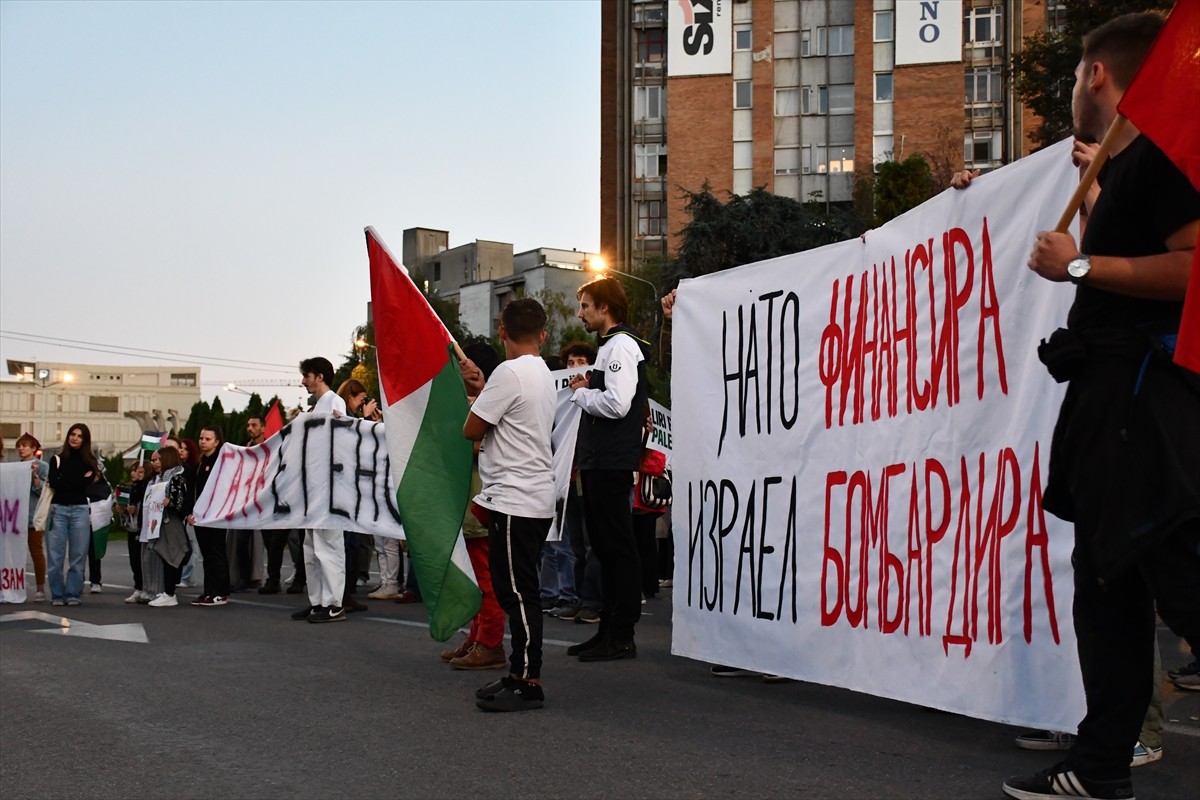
{"x": 141, "y": 352}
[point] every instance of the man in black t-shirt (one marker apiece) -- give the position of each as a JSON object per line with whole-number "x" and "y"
{"x": 1125, "y": 459}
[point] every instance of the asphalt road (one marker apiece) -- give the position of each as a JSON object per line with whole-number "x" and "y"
{"x": 242, "y": 702}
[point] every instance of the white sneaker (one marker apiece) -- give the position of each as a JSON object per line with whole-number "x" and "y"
{"x": 1144, "y": 754}
{"x": 96, "y": 588}
{"x": 164, "y": 600}
{"x": 39, "y": 597}
{"x": 133, "y": 598}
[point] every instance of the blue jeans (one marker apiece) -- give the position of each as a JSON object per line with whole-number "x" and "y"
{"x": 67, "y": 542}
{"x": 558, "y": 572}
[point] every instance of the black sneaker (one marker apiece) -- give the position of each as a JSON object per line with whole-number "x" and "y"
{"x": 577, "y": 649}
{"x": 491, "y": 689}
{"x": 330, "y": 614}
{"x": 515, "y": 696}
{"x": 722, "y": 671}
{"x": 610, "y": 650}
{"x": 1061, "y": 781}
{"x": 303, "y": 613}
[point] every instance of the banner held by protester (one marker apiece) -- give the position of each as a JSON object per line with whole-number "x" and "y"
{"x": 863, "y": 442}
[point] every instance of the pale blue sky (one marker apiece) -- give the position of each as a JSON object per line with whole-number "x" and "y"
{"x": 195, "y": 176}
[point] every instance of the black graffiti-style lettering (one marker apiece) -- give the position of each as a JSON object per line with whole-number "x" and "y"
{"x": 280, "y": 508}
{"x": 309, "y": 426}
{"x": 388, "y": 495}
{"x": 335, "y": 467}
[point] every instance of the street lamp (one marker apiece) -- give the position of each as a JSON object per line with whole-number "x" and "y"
{"x": 598, "y": 265}
{"x": 42, "y": 379}
{"x": 233, "y": 387}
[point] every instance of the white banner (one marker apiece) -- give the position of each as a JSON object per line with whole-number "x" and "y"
{"x": 864, "y": 438}
{"x": 699, "y": 37}
{"x": 320, "y": 471}
{"x": 16, "y": 480}
{"x": 930, "y": 31}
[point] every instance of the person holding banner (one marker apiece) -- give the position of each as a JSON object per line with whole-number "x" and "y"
{"x": 171, "y": 546}
{"x": 512, "y": 419}
{"x": 1126, "y": 448}
{"x": 211, "y": 540}
{"x": 612, "y": 397}
{"x": 27, "y": 449}
{"x": 72, "y": 471}
{"x": 324, "y": 548}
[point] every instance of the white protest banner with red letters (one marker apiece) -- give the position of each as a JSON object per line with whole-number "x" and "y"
{"x": 16, "y": 480}
{"x": 864, "y": 434}
{"x": 320, "y": 471}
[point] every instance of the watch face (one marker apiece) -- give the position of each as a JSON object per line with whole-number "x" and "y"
{"x": 1078, "y": 267}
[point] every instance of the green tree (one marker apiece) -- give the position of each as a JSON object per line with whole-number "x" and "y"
{"x": 1043, "y": 71}
{"x": 752, "y": 227}
{"x": 901, "y": 186}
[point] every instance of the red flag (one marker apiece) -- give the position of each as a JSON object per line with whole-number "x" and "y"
{"x": 1187, "y": 348}
{"x": 273, "y": 423}
{"x": 1162, "y": 102}
{"x": 1163, "y": 98}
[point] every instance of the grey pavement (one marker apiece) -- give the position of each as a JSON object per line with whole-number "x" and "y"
{"x": 242, "y": 702}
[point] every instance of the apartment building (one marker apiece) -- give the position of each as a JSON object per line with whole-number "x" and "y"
{"x": 796, "y": 96}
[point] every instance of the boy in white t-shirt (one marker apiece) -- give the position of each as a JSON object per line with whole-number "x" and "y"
{"x": 512, "y": 419}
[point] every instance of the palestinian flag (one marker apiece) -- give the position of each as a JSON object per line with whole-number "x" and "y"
{"x": 424, "y": 408}
{"x": 152, "y": 440}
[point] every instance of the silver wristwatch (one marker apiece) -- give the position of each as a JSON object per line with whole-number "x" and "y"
{"x": 1078, "y": 268}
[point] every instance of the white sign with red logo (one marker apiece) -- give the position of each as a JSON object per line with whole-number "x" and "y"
{"x": 864, "y": 434}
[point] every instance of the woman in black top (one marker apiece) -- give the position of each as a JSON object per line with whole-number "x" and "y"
{"x": 72, "y": 471}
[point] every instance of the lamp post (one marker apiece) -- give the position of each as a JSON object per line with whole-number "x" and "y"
{"x": 42, "y": 379}
{"x": 233, "y": 387}
{"x": 599, "y": 266}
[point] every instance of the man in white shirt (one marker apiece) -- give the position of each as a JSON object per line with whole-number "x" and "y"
{"x": 324, "y": 548}
{"x": 613, "y": 398}
{"x": 512, "y": 419}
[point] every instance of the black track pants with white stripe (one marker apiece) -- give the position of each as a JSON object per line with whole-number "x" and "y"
{"x": 515, "y": 550}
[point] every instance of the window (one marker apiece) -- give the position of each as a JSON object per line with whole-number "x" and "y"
{"x": 437, "y": 270}
{"x": 649, "y": 160}
{"x": 742, "y": 93}
{"x": 982, "y": 148}
{"x": 742, "y": 39}
{"x": 983, "y": 25}
{"x": 649, "y": 103}
{"x": 841, "y": 99}
{"x": 883, "y": 87}
{"x": 835, "y": 41}
{"x": 102, "y": 404}
{"x": 840, "y": 158}
{"x": 647, "y": 13}
{"x": 183, "y": 379}
{"x": 814, "y": 100}
{"x": 883, "y": 26}
{"x": 806, "y": 159}
{"x": 884, "y": 145}
{"x": 652, "y": 218}
{"x": 805, "y": 42}
{"x": 10, "y": 431}
{"x": 743, "y": 155}
{"x": 787, "y": 102}
{"x": 983, "y": 85}
{"x": 651, "y": 45}
{"x": 787, "y": 161}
